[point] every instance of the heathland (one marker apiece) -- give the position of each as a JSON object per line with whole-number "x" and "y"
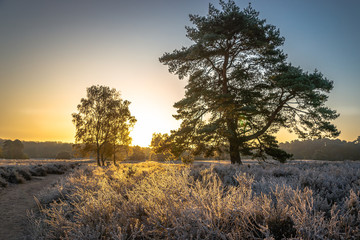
{"x": 302, "y": 200}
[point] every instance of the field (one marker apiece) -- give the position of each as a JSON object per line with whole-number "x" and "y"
{"x": 301, "y": 200}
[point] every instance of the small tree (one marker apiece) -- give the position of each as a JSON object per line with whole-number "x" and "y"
{"x": 101, "y": 116}
{"x": 241, "y": 90}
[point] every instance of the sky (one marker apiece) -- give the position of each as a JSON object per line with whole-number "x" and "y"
{"x": 51, "y": 51}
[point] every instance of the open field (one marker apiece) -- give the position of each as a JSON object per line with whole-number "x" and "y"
{"x": 302, "y": 200}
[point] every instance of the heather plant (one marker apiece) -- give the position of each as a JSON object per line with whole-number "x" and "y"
{"x": 170, "y": 201}
{"x": 16, "y": 174}
{"x": 38, "y": 170}
{"x": 15, "y": 177}
{"x": 3, "y": 182}
{"x": 25, "y": 173}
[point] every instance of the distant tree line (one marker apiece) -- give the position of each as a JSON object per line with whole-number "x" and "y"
{"x": 320, "y": 149}
{"x": 12, "y": 149}
{"x": 323, "y": 149}
{"x": 32, "y": 149}
{"x": 29, "y": 149}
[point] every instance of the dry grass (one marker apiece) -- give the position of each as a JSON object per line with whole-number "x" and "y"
{"x": 164, "y": 201}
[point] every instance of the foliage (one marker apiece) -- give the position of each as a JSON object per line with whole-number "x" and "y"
{"x": 165, "y": 201}
{"x": 240, "y": 88}
{"x": 103, "y": 121}
{"x": 323, "y": 149}
{"x": 161, "y": 148}
{"x": 13, "y": 149}
{"x": 138, "y": 154}
{"x": 46, "y": 149}
{"x": 63, "y": 155}
{"x": 187, "y": 157}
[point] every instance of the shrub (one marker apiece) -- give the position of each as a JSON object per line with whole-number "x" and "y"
{"x": 25, "y": 173}
{"x": 15, "y": 177}
{"x": 4, "y": 173}
{"x": 3, "y": 182}
{"x": 38, "y": 170}
{"x": 169, "y": 201}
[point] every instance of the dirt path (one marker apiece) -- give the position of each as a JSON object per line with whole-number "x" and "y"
{"x": 15, "y": 200}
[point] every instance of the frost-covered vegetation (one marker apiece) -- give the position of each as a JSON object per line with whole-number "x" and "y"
{"x": 169, "y": 201}
{"x": 21, "y": 173}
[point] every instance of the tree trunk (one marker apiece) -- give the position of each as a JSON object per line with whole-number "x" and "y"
{"x": 102, "y": 159}
{"x": 114, "y": 157}
{"x": 98, "y": 156}
{"x": 233, "y": 141}
{"x": 234, "y": 152}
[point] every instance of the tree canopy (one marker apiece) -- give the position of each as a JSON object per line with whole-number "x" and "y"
{"x": 241, "y": 90}
{"x": 161, "y": 148}
{"x": 13, "y": 149}
{"x": 103, "y": 122}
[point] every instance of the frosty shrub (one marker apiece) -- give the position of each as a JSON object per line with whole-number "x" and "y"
{"x": 15, "y": 177}
{"x": 3, "y": 182}
{"x": 20, "y": 174}
{"x": 24, "y": 172}
{"x": 168, "y": 201}
{"x": 38, "y": 170}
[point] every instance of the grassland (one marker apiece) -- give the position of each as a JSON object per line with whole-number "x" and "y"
{"x": 165, "y": 201}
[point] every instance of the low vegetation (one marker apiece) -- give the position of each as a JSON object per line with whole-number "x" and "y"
{"x": 17, "y": 174}
{"x": 172, "y": 201}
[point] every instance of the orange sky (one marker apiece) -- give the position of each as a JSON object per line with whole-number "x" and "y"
{"x": 51, "y": 51}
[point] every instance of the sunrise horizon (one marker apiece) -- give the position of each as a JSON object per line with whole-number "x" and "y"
{"x": 52, "y": 52}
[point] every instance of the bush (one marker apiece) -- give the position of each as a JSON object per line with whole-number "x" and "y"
{"x": 187, "y": 158}
{"x": 3, "y": 182}
{"x": 38, "y": 170}
{"x": 15, "y": 177}
{"x": 25, "y": 173}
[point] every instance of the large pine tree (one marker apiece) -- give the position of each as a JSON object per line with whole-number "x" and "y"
{"x": 240, "y": 88}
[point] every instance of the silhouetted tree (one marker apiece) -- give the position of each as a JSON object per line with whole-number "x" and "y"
{"x": 13, "y": 149}
{"x": 160, "y": 152}
{"x": 63, "y": 155}
{"x": 138, "y": 154}
{"x": 240, "y": 90}
{"x": 121, "y": 127}
{"x": 102, "y": 115}
{"x": 45, "y": 149}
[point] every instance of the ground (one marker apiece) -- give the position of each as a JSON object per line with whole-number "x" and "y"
{"x": 15, "y": 201}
